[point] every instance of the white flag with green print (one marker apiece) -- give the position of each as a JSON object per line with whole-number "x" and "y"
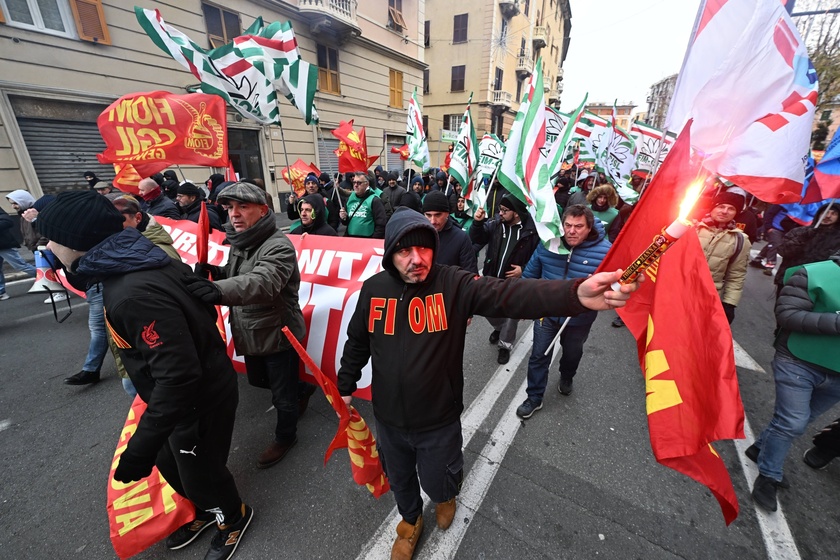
{"x": 616, "y": 158}
{"x": 589, "y": 132}
{"x": 490, "y": 152}
{"x": 524, "y": 170}
{"x": 464, "y": 162}
{"x": 418, "y": 147}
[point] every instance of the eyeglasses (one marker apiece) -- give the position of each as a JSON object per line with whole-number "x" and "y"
{"x": 504, "y": 210}
{"x": 360, "y": 182}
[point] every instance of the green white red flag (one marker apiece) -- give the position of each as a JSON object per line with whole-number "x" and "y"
{"x": 524, "y": 169}
{"x": 418, "y": 147}
{"x": 588, "y": 133}
{"x": 684, "y": 342}
{"x": 649, "y": 145}
{"x": 560, "y": 151}
{"x": 464, "y": 163}
{"x": 616, "y": 159}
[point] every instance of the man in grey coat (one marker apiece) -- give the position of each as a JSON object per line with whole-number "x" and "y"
{"x": 260, "y": 285}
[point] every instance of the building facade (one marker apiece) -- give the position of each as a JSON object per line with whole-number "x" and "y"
{"x": 65, "y": 61}
{"x": 623, "y": 112}
{"x": 489, "y": 48}
{"x": 659, "y": 99}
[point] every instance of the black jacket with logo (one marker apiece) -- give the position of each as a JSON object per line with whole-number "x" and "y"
{"x": 167, "y": 338}
{"x": 414, "y": 333}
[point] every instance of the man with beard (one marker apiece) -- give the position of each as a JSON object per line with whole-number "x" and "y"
{"x": 311, "y": 210}
{"x": 364, "y": 214}
{"x": 189, "y": 203}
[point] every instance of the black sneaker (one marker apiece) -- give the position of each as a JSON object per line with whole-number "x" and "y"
{"x": 188, "y": 532}
{"x": 817, "y": 459}
{"x": 494, "y": 337}
{"x": 618, "y": 322}
{"x": 528, "y": 408}
{"x": 226, "y": 540}
{"x": 83, "y": 378}
{"x": 756, "y": 263}
{"x": 565, "y": 387}
{"x": 764, "y": 492}
{"x": 752, "y": 454}
{"x": 504, "y": 356}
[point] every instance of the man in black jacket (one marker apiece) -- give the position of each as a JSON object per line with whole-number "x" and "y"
{"x": 411, "y": 320}
{"x": 173, "y": 353}
{"x": 455, "y": 246}
{"x": 511, "y": 239}
{"x": 155, "y": 202}
{"x": 190, "y": 199}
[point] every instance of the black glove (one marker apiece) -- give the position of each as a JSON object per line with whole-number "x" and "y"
{"x": 205, "y": 290}
{"x": 208, "y": 271}
{"x": 729, "y": 309}
{"x": 129, "y": 471}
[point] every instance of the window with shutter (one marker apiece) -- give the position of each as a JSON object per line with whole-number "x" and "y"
{"x": 458, "y": 75}
{"x": 396, "y": 89}
{"x": 54, "y": 17}
{"x": 328, "y": 70}
{"x": 90, "y": 21}
{"x": 222, "y": 25}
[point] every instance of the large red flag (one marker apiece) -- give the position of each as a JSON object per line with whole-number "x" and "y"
{"x": 352, "y": 150}
{"x": 684, "y": 341}
{"x": 296, "y": 175}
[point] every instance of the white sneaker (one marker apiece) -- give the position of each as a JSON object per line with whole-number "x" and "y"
{"x": 4, "y": 296}
{"x": 56, "y": 297}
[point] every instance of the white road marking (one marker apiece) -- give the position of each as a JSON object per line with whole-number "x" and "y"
{"x": 28, "y": 318}
{"x": 444, "y": 544}
{"x": 5, "y": 424}
{"x": 744, "y": 360}
{"x": 379, "y": 545}
{"x": 778, "y": 540}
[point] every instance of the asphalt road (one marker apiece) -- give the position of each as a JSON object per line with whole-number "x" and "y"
{"x": 577, "y": 480}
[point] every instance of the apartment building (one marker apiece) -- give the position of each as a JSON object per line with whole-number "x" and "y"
{"x": 623, "y": 112}
{"x": 659, "y": 99}
{"x": 489, "y": 48}
{"x": 64, "y": 61}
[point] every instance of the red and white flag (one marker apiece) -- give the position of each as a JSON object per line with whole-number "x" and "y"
{"x": 749, "y": 86}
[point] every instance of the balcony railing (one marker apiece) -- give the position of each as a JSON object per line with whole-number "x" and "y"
{"x": 540, "y": 36}
{"x": 525, "y": 65}
{"x": 342, "y": 11}
{"x": 547, "y": 84}
{"x": 500, "y": 97}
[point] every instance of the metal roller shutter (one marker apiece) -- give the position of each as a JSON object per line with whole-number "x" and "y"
{"x": 394, "y": 161}
{"x": 61, "y": 152}
{"x": 327, "y": 160}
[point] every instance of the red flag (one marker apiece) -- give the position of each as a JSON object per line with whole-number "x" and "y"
{"x": 296, "y": 173}
{"x": 156, "y": 130}
{"x": 142, "y": 512}
{"x": 352, "y": 150}
{"x": 126, "y": 178}
{"x": 402, "y": 150}
{"x": 352, "y": 433}
{"x": 446, "y": 162}
{"x": 684, "y": 341}
{"x": 230, "y": 174}
{"x": 203, "y": 235}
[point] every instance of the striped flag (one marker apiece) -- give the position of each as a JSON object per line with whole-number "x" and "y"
{"x": 464, "y": 162}
{"x": 221, "y": 71}
{"x": 418, "y": 148}
{"x": 524, "y": 170}
{"x": 560, "y": 149}
{"x": 616, "y": 158}
{"x": 588, "y": 133}
{"x": 649, "y": 143}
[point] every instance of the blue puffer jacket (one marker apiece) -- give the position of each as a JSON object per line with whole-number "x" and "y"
{"x": 579, "y": 263}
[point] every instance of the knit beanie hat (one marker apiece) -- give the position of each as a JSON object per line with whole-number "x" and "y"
{"x": 311, "y": 178}
{"x": 729, "y": 197}
{"x": 242, "y": 192}
{"x": 510, "y": 201}
{"x": 418, "y": 237}
{"x": 435, "y": 201}
{"x": 188, "y": 189}
{"x": 79, "y": 220}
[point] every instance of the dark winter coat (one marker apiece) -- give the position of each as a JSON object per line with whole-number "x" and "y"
{"x": 168, "y": 339}
{"x": 493, "y": 233}
{"x": 455, "y": 248}
{"x": 193, "y": 212}
{"x": 805, "y": 245}
{"x": 7, "y": 237}
{"x": 319, "y": 225}
{"x": 418, "y": 377}
{"x": 162, "y": 206}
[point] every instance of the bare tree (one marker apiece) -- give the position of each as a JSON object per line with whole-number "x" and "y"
{"x": 821, "y": 33}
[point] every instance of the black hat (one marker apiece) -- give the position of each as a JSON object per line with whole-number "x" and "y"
{"x": 436, "y": 201}
{"x": 170, "y": 174}
{"x": 513, "y": 203}
{"x": 79, "y": 220}
{"x": 188, "y": 189}
{"x": 89, "y": 174}
{"x": 418, "y": 237}
{"x": 731, "y": 198}
{"x": 325, "y": 177}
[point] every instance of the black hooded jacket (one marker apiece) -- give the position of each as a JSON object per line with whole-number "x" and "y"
{"x": 494, "y": 233}
{"x": 319, "y": 225}
{"x": 414, "y": 333}
{"x": 168, "y": 339}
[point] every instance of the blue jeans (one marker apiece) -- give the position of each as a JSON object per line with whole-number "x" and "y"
{"x": 802, "y": 394}
{"x": 13, "y": 257}
{"x": 98, "y": 346}
{"x": 571, "y": 341}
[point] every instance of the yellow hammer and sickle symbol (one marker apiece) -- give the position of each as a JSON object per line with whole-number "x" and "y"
{"x": 661, "y": 393}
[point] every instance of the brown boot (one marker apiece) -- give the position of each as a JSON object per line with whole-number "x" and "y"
{"x": 407, "y": 537}
{"x": 445, "y": 513}
{"x": 274, "y": 454}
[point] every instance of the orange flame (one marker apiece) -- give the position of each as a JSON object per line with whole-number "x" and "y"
{"x": 692, "y": 194}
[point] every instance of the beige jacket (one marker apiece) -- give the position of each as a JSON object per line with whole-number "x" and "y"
{"x": 728, "y": 273}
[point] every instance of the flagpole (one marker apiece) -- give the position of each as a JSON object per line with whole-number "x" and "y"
{"x": 827, "y": 208}
{"x": 336, "y": 193}
{"x": 178, "y": 167}
{"x": 556, "y": 340}
{"x": 286, "y": 154}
